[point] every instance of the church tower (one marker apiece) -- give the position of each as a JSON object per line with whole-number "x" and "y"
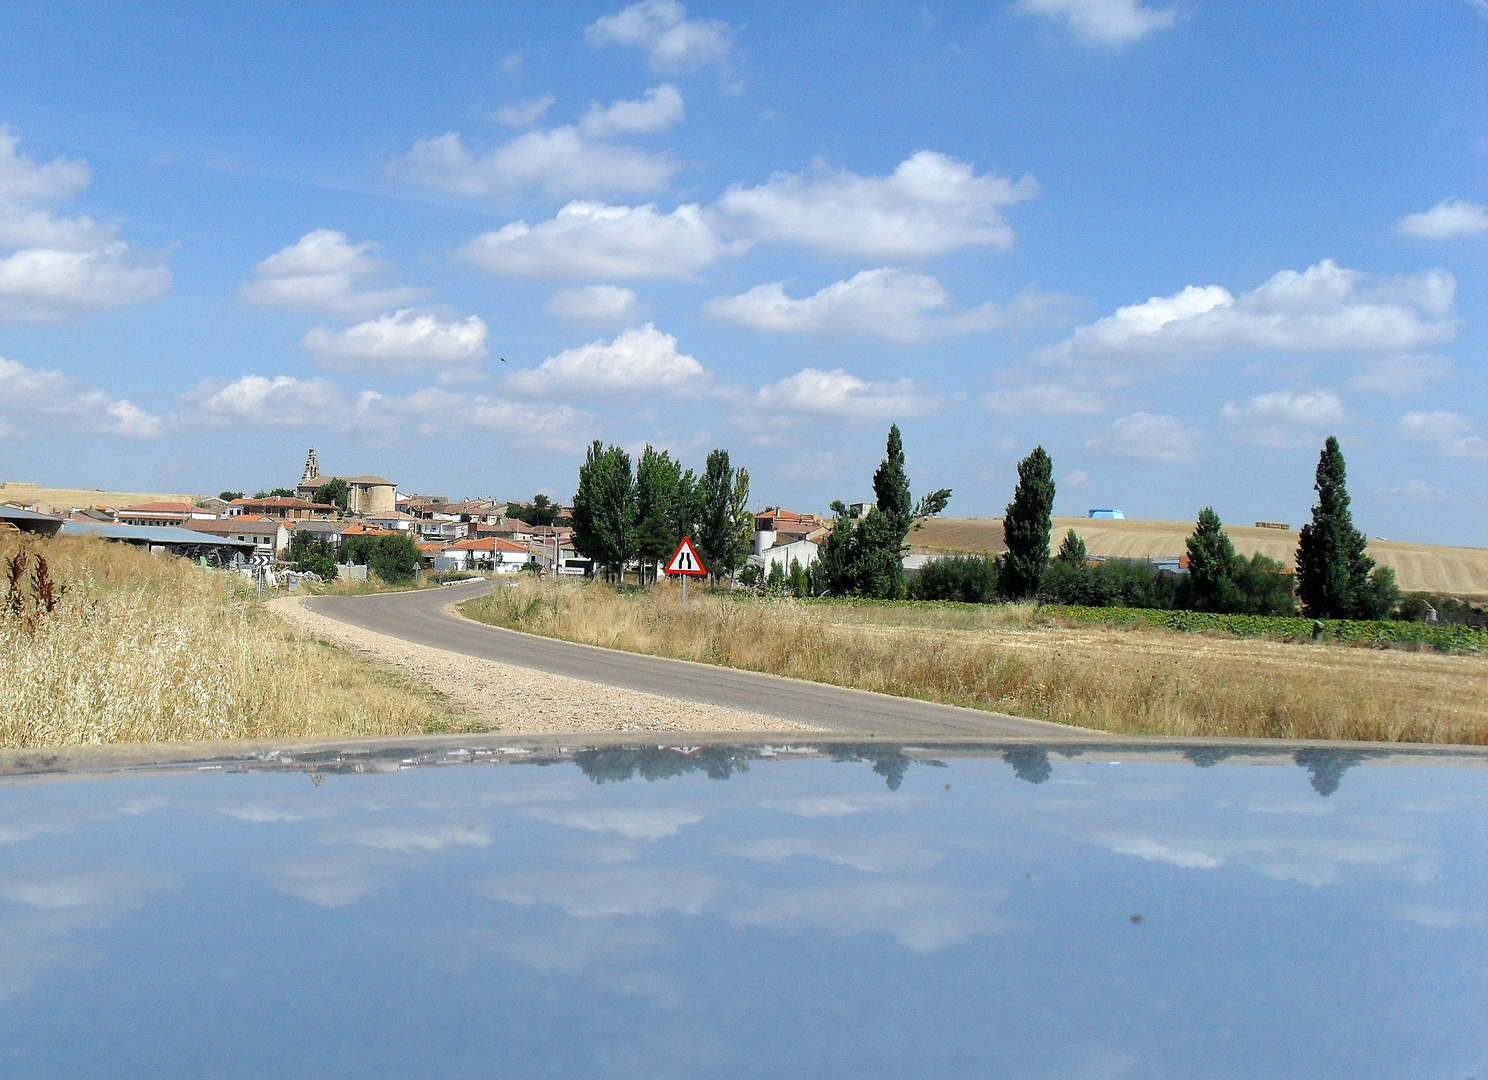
{"x": 312, "y": 469}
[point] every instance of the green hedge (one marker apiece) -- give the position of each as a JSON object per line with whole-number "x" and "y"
{"x": 1286, "y": 627}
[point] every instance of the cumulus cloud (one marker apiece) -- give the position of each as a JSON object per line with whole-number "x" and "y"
{"x": 930, "y": 205}
{"x": 1286, "y": 418}
{"x": 672, "y": 41}
{"x": 1044, "y": 399}
{"x": 325, "y": 271}
{"x": 1325, "y": 307}
{"x": 1414, "y": 491}
{"x": 404, "y": 342}
{"x": 1147, "y": 438}
{"x": 601, "y": 305}
{"x": 1453, "y": 434}
{"x": 1109, "y": 24}
{"x": 524, "y": 114}
{"x": 32, "y": 400}
{"x": 1447, "y": 220}
{"x": 658, "y": 109}
{"x": 435, "y": 412}
{"x": 61, "y": 266}
{"x": 641, "y": 359}
{"x": 559, "y": 162}
{"x": 257, "y": 401}
{"x": 593, "y": 240}
{"x": 836, "y": 393}
{"x": 1403, "y": 374}
{"x": 897, "y": 305}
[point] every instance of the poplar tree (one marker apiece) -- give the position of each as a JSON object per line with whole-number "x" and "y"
{"x": 1027, "y": 525}
{"x": 724, "y": 521}
{"x": 1212, "y": 565}
{"x": 658, "y": 483}
{"x": 1333, "y": 564}
{"x": 604, "y": 508}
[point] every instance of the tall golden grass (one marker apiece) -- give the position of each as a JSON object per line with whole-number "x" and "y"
{"x": 148, "y": 648}
{"x": 1007, "y": 659}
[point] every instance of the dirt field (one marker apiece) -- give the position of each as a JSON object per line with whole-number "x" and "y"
{"x": 1460, "y": 571}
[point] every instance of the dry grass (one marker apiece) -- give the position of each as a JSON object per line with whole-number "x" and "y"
{"x": 146, "y": 648}
{"x": 1002, "y": 659}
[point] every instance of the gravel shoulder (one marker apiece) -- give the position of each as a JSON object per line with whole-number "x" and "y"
{"x": 523, "y": 701}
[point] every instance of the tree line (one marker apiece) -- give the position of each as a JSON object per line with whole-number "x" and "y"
{"x": 1335, "y": 576}
{"x": 624, "y": 515}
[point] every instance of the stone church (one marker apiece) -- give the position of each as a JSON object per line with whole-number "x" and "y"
{"x": 365, "y": 494}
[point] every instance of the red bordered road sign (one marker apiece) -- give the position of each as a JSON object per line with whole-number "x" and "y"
{"x": 685, "y": 560}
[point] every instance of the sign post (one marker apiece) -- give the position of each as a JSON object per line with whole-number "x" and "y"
{"x": 685, "y": 563}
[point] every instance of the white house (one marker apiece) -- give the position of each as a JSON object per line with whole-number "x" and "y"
{"x": 393, "y": 519}
{"x": 490, "y": 553}
{"x": 802, "y": 551}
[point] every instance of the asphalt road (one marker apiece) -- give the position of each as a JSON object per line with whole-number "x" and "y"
{"x": 419, "y": 617}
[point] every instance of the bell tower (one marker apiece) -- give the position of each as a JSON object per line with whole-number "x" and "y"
{"x": 312, "y": 469}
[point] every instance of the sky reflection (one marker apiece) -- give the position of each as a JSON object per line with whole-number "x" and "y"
{"x": 857, "y": 912}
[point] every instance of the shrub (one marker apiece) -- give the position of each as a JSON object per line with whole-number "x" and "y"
{"x": 393, "y": 557}
{"x": 968, "y": 579}
{"x": 1107, "y": 584}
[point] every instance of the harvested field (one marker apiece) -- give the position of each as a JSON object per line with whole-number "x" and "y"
{"x": 147, "y": 648}
{"x": 1010, "y": 659}
{"x": 64, "y": 499}
{"x": 1458, "y": 571}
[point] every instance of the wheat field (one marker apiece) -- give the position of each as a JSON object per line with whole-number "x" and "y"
{"x": 145, "y": 648}
{"x": 1011, "y": 659}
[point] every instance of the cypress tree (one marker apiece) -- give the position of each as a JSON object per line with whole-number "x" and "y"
{"x": 1332, "y": 562}
{"x": 1072, "y": 551}
{"x": 1027, "y": 525}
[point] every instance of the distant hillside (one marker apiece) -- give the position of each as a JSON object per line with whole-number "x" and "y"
{"x": 64, "y": 499}
{"x": 1460, "y": 571}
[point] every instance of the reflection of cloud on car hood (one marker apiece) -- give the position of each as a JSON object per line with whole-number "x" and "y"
{"x": 637, "y": 823}
{"x": 410, "y": 840}
{"x": 922, "y": 916}
{"x": 609, "y": 891}
{"x": 882, "y": 854}
{"x": 332, "y": 880}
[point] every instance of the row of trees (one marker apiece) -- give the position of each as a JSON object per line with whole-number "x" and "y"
{"x": 1335, "y": 576}
{"x": 623, "y": 515}
{"x": 394, "y": 557}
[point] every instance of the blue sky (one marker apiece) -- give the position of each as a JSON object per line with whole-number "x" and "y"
{"x": 1176, "y": 245}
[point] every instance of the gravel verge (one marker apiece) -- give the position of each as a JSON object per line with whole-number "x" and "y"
{"x": 522, "y": 701}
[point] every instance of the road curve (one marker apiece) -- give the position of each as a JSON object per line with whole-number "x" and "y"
{"x": 419, "y": 617}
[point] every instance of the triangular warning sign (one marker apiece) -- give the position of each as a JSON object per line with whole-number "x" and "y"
{"x": 685, "y": 560}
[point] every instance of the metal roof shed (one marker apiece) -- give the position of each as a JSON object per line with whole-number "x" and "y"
{"x": 177, "y": 541}
{"x": 30, "y": 521}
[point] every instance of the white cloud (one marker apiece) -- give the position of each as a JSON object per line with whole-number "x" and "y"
{"x": 1402, "y": 374}
{"x": 1447, "y": 220}
{"x": 1453, "y": 434}
{"x": 602, "y": 305}
{"x": 325, "y": 271}
{"x": 657, "y": 110}
{"x": 1415, "y": 491}
{"x": 1286, "y": 418}
{"x": 32, "y": 400}
{"x": 888, "y": 303}
{"x": 525, "y": 113}
{"x": 1077, "y": 479}
{"x": 593, "y": 240}
{"x": 930, "y": 205}
{"x": 62, "y": 266}
{"x": 331, "y": 881}
{"x": 1154, "y": 851}
{"x": 256, "y": 401}
{"x": 1108, "y": 24}
{"x": 641, "y": 359}
{"x": 872, "y": 854}
{"x": 673, "y": 42}
{"x": 435, "y": 412}
{"x": 413, "y": 840}
{"x": 1324, "y": 307}
{"x": 558, "y": 162}
{"x": 633, "y": 822}
{"x": 836, "y": 393}
{"x": 1044, "y": 399}
{"x": 610, "y": 892}
{"x": 404, "y": 342}
{"x": 1144, "y": 437}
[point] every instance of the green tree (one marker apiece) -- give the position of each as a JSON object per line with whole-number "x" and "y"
{"x": 724, "y": 522}
{"x": 1333, "y": 564}
{"x": 312, "y": 554}
{"x": 279, "y": 492}
{"x": 1072, "y": 552}
{"x": 1027, "y": 526}
{"x": 658, "y": 484}
{"x": 391, "y": 556}
{"x": 604, "y": 509}
{"x": 835, "y": 572}
{"x": 543, "y": 510}
{"x": 333, "y": 492}
{"x": 229, "y": 496}
{"x": 880, "y": 572}
{"x": 1212, "y": 566}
